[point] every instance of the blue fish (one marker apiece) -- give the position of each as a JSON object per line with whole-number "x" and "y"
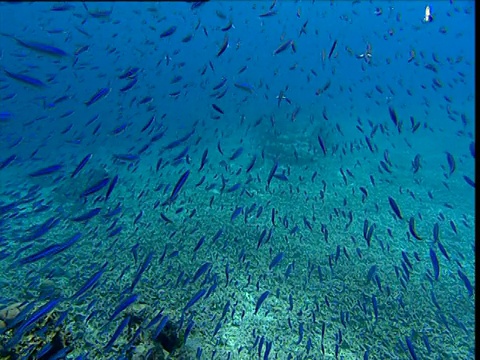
{"x": 89, "y": 284}
{"x": 217, "y": 235}
{"x": 178, "y": 186}
{"x": 411, "y": 349}
{"x": 276, "y": 260}
{"x": 236, "y": 212}
{"x": 111, "y": 187}
{"x": 129, "y": 85}
{"x": 272, "y": 172}
{"x": 194, "y": 299}
{"x": 322, "y": 145}
{"x": 466, "y": 281}
{"x": 233, "y": 188}
{"x": 395, "y": 207}
{"x": 147, "y": 125}
{"x": 100, "y": 94}
{"x": 161, "y": 326}
{"x": 199, "y": 244}
{"x": 371, "y": 273}
{"x": 435, "y": 264}
{"x": 50, "y": 250}
{"x": 7, "y": 161}
{"x": 201, "y": 270}
{"x": 141, "y": 270}
{"x": 300, "y": 334}
{"x": 87, "y": 216}
{"x": 237, "y": 153}
{"x": 252, "y": 163}
{"x": 46, "y": 171}
{"x": 29, "y": 80}
{"x": 28, "y": 324}
{"x": 43, "y": 48}
{"x": 95, "y": 188}
{"x": 117, "y": 333}
{"x": 204, "y": 159}
{"x": 260, "y": 301}
{"x": 123, "y": 305}
{"x": 170, "y": 31}
{"x": 188, "y": 330}
{"x": 375, "y": 306}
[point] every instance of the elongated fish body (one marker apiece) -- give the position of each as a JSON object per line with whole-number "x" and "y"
{"x": 100, "y": 94}
{"x": 29, "y": 80}
{"x": 43, "y": 48}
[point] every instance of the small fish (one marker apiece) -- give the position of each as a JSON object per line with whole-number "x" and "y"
{"x": 236, "y": 213}
{"x": 411, "y": 349}
{"x": 300, "y": 334}
{"x": 322, "y": 145}
{"x": 282, "y": 47}
{"x": 147, "y": 125}
{"x": 252, "y": 163}
{"x": 413, "y": 230}
{"x": 276, "y": 260}
{"x": 375, "y": 306}
{"x": 170, "y": 31}
{"x": 50, "y": 250}
{"x": 393, "y": 116}
{"x": 260, "y": 301}
{"x": 131, "y": 72}
{"x": 245, "y": 87}
{"x": 466, "y": 281}
{"x": 7, "y": 161}
{"x": 117, "y": 333}
{"x": 81, "y": 165}
{"x": 111, "y": 187}
{"x": 395, "y": 207}
{"x": 42, "y": 48}
{"x": 236, "y": 154}
{"x": 100, "y": 94}
{"x": 123, "y": 305}
{"x": 87, "y": 216}
{"x": 129, "y": 85}
{"x": 223, "y": 47}
{"x": 435, "y": 264}
{"x": 443, "y": 250}
{"x": 194, "y": 299}
{"x": 201, "y": 270}
{"x": 161, "y": 326}
{"x": 29, "y": 80}
{"x": 216, "y": 108}
{"x": 89, "y": 284}
{"x": 46, "y": 171}
{"x": 220, "y": 84}
{"x": 371, "y": 273}
{"x": 178, "y": 186}
{"x": 451, "y": 163}
{"x": 126, "y": 157}
{"x": 95, "y": 188}
{"x": 332, "y": 49}
{"x": 204, "y": 159}
{"x": 272, "y": 172}
{"x": 268, "y": 13}
{"x": 217, "y": 235}
{"x": 469, "y": 181}
{"x": 234, "y": 188}
{"x": 28, "y": 324}
{"x": 199, "y": 244}
{"x": 141, "y": 270}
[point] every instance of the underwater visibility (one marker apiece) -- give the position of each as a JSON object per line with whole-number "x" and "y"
{"x": 229, "y": 180}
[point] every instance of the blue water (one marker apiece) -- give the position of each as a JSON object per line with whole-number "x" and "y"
{"x": 237, "y": 180}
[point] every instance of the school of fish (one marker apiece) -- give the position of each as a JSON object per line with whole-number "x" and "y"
{"x": 237, "y": 180}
